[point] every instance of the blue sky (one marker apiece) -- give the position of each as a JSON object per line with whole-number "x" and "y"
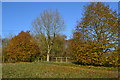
{"x": 18, "y": 16}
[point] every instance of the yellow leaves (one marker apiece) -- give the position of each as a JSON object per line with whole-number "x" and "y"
{"x": 103, "y": 47}
{"x": 94, "y": 37}
{"x": 95, "y": 48}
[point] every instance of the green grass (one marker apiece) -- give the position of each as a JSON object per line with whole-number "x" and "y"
{"x": 83, "y": 66}
{"x": 0, "y": 70}
{"x": 56, "y": 70}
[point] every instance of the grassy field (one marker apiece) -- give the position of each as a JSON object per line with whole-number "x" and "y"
{"x": 56, "y": 70}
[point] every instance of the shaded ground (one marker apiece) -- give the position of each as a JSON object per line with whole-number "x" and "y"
{"x": 55, "y": 70}
{"x": 0, "y": 70}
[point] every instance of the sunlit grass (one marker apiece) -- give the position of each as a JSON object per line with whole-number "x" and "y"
{"x": 83, "y": 66}
{"x": 55, "y": 70}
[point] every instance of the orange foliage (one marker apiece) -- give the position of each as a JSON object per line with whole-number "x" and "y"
{"x": 22, "y": 47}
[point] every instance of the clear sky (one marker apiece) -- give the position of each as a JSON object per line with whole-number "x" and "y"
{"x": 18, "y": 16}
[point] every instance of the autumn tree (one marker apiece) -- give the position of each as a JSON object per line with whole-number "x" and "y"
{"x": 98, "y": 31}
{"x": 0, "y": 41}
{"x": 59, "y": 46}
{"x": 48, "y": 24}
{"x": 4, "y": 48}
{"x": 5, "y": 42}
{"x": 0, "y": 49}
{"x": 41, "y": 42}
{"x": 22, "y": 48}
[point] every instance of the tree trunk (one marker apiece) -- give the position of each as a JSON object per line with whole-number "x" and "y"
{"x": 48, "y": 53}
{"x": 47, "y": 57}
{"x": 66, "y": 59}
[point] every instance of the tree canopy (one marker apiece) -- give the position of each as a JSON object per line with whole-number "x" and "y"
{"x": 95, "y": 40}
{"x": 48, "y": 25}
{"x": 22, "y": 47}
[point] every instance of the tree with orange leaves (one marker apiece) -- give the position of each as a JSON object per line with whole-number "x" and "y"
{"x": 22, "y": 48}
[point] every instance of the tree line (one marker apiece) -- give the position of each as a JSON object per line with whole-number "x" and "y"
{"x": 94, "y": 41}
